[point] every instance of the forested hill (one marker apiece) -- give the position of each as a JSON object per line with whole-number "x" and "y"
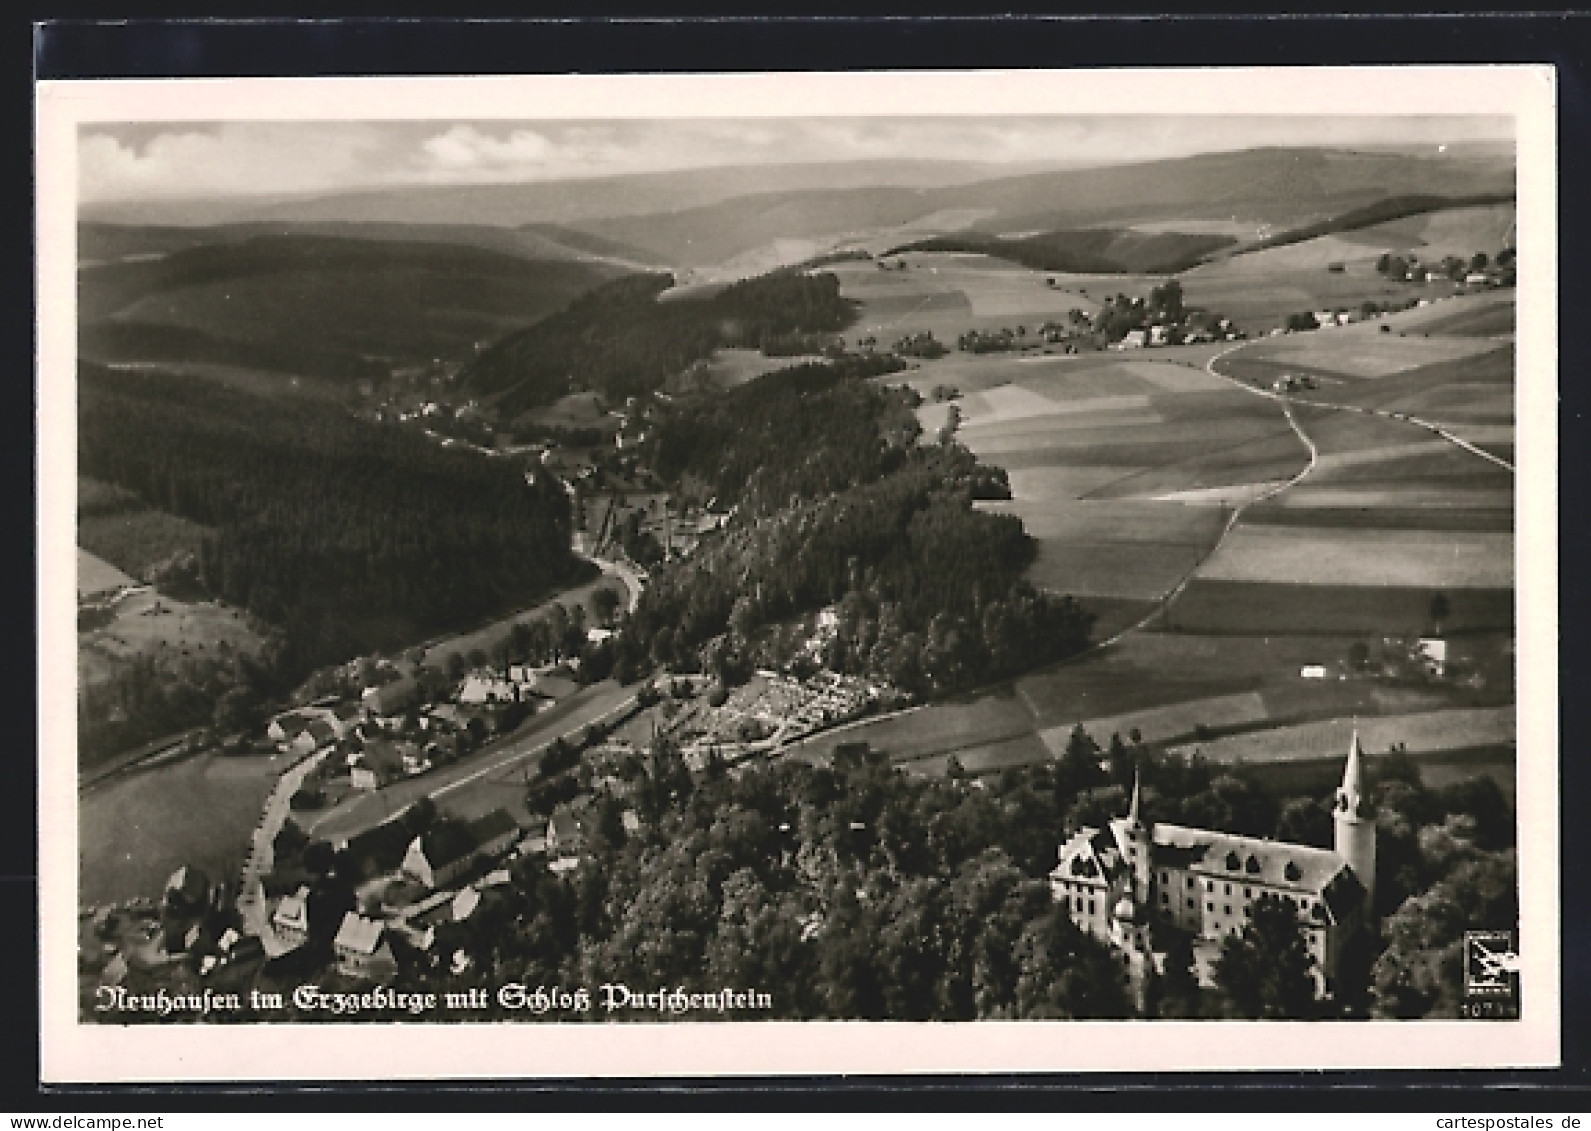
{"x": 839, "y": 504}
{"x": 1086, "y": 250}
{"x": 311, "y": 305}
{"x": 351, "y": 536}
{"x": 619, "y": 340}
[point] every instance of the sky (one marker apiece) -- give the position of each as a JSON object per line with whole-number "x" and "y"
{"x": 176, "y": 160}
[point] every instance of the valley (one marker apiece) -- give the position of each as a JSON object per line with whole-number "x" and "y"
{"x": 819, "y": 542}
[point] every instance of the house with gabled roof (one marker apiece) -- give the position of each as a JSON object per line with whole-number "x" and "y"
{"x": 291, "y": 919}
{"x": 445, "y": 852}
{"x": 362, "y": 948}
{"x": 1117, "y": 882}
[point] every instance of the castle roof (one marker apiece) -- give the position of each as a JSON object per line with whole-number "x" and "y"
{"x": 1252, "y": 860}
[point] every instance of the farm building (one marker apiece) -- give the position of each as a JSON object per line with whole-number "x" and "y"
{"x": 1117, "y": 882}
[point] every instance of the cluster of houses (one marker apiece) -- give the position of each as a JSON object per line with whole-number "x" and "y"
{"x": 420, "y": 883}
{"x": 1479, "y": 271}
{"x": 388, "y": 733}
{"x": 1168, "y": 333}
{"x": 191, "y": 932}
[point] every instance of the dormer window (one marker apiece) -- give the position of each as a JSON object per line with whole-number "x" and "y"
{"x": 1233, "y": 862}
{"x": 1251, "y": 865}
{"x": 1293, "y": 872}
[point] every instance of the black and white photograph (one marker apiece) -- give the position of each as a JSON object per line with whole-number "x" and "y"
{"x": 636, "y": 561}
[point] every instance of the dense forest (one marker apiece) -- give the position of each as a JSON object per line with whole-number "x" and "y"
{"x": 349, "y": 536}
{"x": 1108, "y": 251}
{"x": 621, "y": 341}
{"x": 838, "y": 505}
{"x": 317, "y": 306}
{"x": 856, "y": 890}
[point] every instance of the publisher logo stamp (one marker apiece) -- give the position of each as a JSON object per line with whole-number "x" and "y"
{"x": 1491, "y": 974}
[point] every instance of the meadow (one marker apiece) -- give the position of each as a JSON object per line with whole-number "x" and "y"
{"x": 147, "y": 624}
{"x": 1419, "y": 733}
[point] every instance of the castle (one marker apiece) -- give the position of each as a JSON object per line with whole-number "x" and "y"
{"x": 1119, "y": 881}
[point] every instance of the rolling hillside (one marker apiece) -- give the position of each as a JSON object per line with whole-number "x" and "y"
{"x": 559, "y": 202}
{"x": 1087, "y": 250}
{"x": 101, "y": 244}
{"x": 316, "y": 306}
{"x": 1283, "y": 188}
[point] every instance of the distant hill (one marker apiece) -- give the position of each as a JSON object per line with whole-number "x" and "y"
{"x": 1283, "y": 187}
{"x": 1086, "y": 250}
{"x": 101, "y": 243}
{"x": 315, "y": 306}
{"x": 559, "y": 202}
{"x": 1381, "y": 212}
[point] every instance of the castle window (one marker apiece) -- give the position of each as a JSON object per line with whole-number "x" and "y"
{"x": 1209, "y": 885}
{"x": 1292, "y": 871}
{"x": 1227, "y": 909}
{"x": 1248, "y": 893}
{"x": 1228, "y": 889}
{"x": 1192, "y": 904}
{"x": 1192, "y": 883}
{"x": 1165, "y": 877}
{"x": 1232, "y": 862}
{"x": 1251, "y": 865}
{"x": 1209, "y": 907}
{"x": 1091, "y": 907}
{"x": 1165, "y": 898}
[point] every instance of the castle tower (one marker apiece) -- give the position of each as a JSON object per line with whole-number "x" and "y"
{"x": 1354, "y": 824}
{"x": 1136, "y": 838}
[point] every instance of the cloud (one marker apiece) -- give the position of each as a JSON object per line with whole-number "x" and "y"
{"x": 192, "y": 160}
{"x": 242, "y": 158}
{"x": 465, "y": 148}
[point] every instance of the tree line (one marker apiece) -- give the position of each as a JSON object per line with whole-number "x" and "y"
{"x": 620, "y": 340}
{"x": 348, "y": 536}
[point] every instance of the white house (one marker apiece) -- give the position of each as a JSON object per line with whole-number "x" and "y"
{"x": 1433, "y": 650}
{"x": 292, "y": 917}
{"x": 362, "y": 948}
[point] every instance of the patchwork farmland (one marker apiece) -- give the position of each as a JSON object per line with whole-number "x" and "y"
{"x": 1228, "y": 540}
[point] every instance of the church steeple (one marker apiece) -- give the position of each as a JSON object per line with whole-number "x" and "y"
{"x": 1354, "y": 822}
{"x": 1134, "y": 809}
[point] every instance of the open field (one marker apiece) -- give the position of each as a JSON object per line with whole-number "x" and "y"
{"x": 1316, "y": 556}
{"x": 1248, "y": 608}
{"x": 1452, "y": 231}
{"x": 1427, "y": 731}
{"x": 147, "y": 624}
{"x": 137, "y": 829}
{"x": 950, "y": 293}
{"x": 1158, "y": 724}
{"x": 1361, "y": 350}
{"x": 95, "y": 576}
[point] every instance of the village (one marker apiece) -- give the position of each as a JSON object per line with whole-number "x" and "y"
{"x": 400, "y": 891}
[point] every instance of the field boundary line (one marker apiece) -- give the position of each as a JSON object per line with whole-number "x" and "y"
{"x": 1401, "y": 417}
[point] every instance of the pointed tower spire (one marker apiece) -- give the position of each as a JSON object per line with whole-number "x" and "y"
{"x": 1353, "y": 772}
{"x": 1134, "y": 810}
{"x": 1354, "y": 824}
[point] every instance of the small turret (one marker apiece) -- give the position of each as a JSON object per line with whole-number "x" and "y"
{"x": 1354, "y": 823}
